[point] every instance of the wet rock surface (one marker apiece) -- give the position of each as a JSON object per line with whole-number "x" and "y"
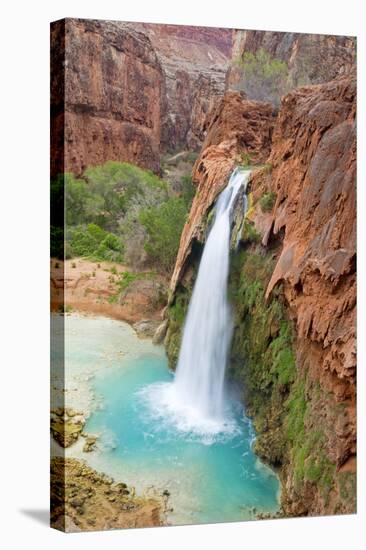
{"x": 85, "y": 500}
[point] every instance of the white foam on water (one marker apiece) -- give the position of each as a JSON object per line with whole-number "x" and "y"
{"x": 195, "y": 403}
{"x": 167, "y": 412}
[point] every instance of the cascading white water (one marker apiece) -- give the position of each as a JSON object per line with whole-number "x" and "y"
{"x": 194, "y": 402}
{"x": 199, "y": 382}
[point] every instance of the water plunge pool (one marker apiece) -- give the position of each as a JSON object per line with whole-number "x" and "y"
{"x": 209, "y": 470}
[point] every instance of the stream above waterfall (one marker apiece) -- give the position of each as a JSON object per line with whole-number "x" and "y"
{"x": 210, "y": 472}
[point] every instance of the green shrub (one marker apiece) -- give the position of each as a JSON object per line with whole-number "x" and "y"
{"x": 249, "y": 234}
{"x": 192, "y": 157}
{"x": 57, "y": 242}
{"x": 81, "y": 205}
{"x": 245, "y": 160}
{"x": 116, "y": 212}
{"x": 267, "y": 201}
{"x": 263, "y": 78}
{"x": 102, "y": 196}
{"x": 164, "y": 224}
{"x": 95, "y": 243}
{"x": 309, "y": 459}
{"x": 126, "y": 278}
{"x": 296, "y": 407}
{"x": 282, "y": 355}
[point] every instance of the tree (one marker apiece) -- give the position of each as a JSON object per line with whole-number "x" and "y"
{"x": 263, "y": 78}
{"x": 164, "y": 225}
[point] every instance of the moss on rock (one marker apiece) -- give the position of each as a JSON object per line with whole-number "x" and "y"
{"x": 291, "y": 411}
{"x": 267, "y": 201}
{"x": 262, "y": 358}
{"x": 176, "y": 314}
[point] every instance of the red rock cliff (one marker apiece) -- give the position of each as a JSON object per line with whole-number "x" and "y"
{"x": 314, "y": 178}
{"x": 311, "y": 58}
{"x": 132, "y": 90}
{"x": 311, "y": 172}
{"x": 114, "y": 91}
{"x": 235, "y": 127}
{"x": 194, "y": 61}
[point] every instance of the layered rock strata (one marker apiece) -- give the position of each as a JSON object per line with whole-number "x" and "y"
{"x": 194, "y": 61}
{"x": 131, "y": 91}
{"x": 109, "y": 104}
{"x": 311, "y": 58}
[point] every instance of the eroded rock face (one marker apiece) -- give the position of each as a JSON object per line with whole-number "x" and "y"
{"x": 248, "y": 123}
{"x": 311, "y": 58}
{"x": 194, "y": 61}
{"x": 302, "y": 242}
{"x": 235, "y": 127}
{"x": 113, "y": 86}
{"x": 132, "y": 90}
{"x": 314, "y": 178}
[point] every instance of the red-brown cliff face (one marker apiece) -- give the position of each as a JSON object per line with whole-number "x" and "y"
{"x": 194, "y": 61}
{"x": 314, "y": 179}
{"x": 132, "y": 91}
{"x": 113, "y": 95}
{"x": 235, "y": 127}
{"x": 309, "y": 237}
{"x": 311, "y": 58}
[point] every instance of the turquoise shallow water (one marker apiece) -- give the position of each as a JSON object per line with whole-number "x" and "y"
{"x": 210, "y": 477}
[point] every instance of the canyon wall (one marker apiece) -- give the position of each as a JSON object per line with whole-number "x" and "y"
{"x": 313, "y": 177}
{"x": 292, "y": 285}
{"x": 109, "y": 105}
{"x": 236, "y": 127}
{"x": 311, "y": 58}
{"x": 131, "y": 91}
{"x": 194, "y": 61}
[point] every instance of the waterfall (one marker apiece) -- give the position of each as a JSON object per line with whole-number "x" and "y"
{"x": 199, "y": 381}
{"x": 194, "y": 403}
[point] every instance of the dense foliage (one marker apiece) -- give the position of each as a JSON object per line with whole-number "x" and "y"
{"x": 264, "y": 78}
{"x": 267, "y": 201}
{"x": 94, "y": 242}
{"x": 164, "y": 224}
{"x": 119, "y": 212}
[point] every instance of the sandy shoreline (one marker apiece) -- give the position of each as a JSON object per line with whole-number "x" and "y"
{"x": 72, "y": 388}
{"x": 92, "y": 287}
